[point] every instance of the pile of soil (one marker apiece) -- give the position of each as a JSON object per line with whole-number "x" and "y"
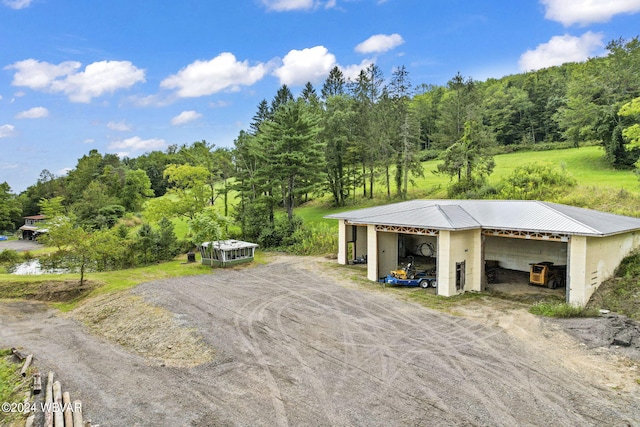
{"x": 153, "y": 332}
{"x": 615, "y": 332}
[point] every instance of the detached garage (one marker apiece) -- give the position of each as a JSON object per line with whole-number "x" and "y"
{"x": 463, "y": 235}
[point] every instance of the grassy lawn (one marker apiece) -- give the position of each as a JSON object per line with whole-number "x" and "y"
{"x": 586, "y": 164}
{"x": 37, "y": 286}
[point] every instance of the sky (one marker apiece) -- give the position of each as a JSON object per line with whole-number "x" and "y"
{"x": 128, "y": 77}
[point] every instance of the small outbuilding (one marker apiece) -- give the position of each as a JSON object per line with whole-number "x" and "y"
{"x": 464, "y": 237}
{"x": 33, "y": 227}
{"x": 222, "y": 253}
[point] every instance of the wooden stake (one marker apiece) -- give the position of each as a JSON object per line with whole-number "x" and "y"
{"x": 68, "y": 413}
{"x": 77, "y": 414}
{"x": 58, "y": 417}
{"x": 27, "y": 362}
{"x": 48, "y": 400}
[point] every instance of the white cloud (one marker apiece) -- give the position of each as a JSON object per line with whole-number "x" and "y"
{"x": 64, "y": 171}
{"x": 290, "y": 5}
{"x": 185, "y": 117}
{"x": 223, "y": 72}
{"x": 351, "y": 72}
{"x": 138, "y": 144}
{"x": 561, "y": 49}
{"x": 121, "y": 126}
{"x": 5, "y": 165}
{"x": 306, "y": 65}
{"x": 380, "y": 43}
{"x": 33, "y": 113}
{"x": 97, "y": 78}
{"x": 585, "y": 12}
{"x": 7, "y": 130}
{"x": 17, "y": 4}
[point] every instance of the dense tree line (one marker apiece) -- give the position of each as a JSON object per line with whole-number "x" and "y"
{"x": 360, "y": 138}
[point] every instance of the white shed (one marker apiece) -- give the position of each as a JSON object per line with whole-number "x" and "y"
{"x": 222, "y": 253}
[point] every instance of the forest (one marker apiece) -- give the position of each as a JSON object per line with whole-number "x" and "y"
{"x": 349, "y": 141}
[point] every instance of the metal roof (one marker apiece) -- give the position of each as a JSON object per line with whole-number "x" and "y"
{"x": 227, "y": 245}
{"x": 518, "y": 215}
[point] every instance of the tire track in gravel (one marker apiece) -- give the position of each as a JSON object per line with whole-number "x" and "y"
{"x": 383, "y": 353}
{"x": 477, "y": 369}
{"x": 422, "y": 367}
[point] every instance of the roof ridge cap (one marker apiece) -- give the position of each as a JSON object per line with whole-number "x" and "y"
{"x": 548, "y": 206}
{"x": 437, "y": 205}
{"x": 459, "y": 206}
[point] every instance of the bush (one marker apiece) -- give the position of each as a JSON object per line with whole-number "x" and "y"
{"x": 562, "y": 310}
{"x": 316, "y": 239}
{"x": 534, "y": 181}
{"x": 630, "y": 266}
{"x": 9, "y": 256}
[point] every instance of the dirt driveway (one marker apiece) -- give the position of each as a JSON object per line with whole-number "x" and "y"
{"x": 295, "y": 347}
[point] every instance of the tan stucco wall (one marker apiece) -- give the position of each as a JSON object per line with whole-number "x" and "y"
{"x": 372, "y": 253}
{"x": 517, "y": 254}
{"x": 387, "y": 253}
{"x": 594, "y": 260}
{"x": 342, "y": 242}
{"x": 455, "y": 247}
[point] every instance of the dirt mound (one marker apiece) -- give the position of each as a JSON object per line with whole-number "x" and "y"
{"x": 54, "y": 291}
{"x": 153, "y": 332}
{"x": 618, "y": 333}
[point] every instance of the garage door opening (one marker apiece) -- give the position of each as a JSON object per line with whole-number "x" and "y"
{"x": 509, "y": 263}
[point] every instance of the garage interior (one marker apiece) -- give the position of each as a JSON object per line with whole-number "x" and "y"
{"x": 474, "y": 245}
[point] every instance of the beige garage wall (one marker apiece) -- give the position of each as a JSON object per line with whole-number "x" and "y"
{"x": 455, "y": 247}
{"x": 603, "y": 255}
{"x": 517, "y": 254}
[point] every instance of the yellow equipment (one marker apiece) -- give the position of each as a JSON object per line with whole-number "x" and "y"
{"x": 406, "y": 272}
{"x": 548, "y": 275}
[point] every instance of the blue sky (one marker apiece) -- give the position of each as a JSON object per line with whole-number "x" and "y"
{"x": 128, "y": 77}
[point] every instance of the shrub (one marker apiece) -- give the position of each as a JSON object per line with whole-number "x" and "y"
{"x": 315, "y": 239}
{"x": 9, "y": 256}
{"x": 535, "y": 181}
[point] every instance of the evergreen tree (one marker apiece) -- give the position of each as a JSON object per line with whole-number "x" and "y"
{"x": 293, "y": 156}
{"x": 334, "y": 84}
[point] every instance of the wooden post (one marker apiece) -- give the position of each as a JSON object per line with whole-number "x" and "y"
{"x": 68, "y": 413}
{"x": 77, "y": 414}
{"x": 27, "y": 362}
{"x": 17, "y": 353}
{"x": 37, "y": 383}
{"x": 48, "y": 400}
{"x": 58, "y": 417}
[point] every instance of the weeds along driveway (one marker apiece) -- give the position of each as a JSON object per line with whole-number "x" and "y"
{"x": 294, "y": 347}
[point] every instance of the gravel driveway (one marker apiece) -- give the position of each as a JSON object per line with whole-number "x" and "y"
{"x": 20, "y": 245}
{"x": 295, "y": 348}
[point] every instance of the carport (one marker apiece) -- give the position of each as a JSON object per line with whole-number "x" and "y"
{"x": 467, "y": 233}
